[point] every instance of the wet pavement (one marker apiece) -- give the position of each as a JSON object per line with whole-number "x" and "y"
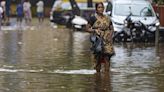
{"x": 44, "y": 59}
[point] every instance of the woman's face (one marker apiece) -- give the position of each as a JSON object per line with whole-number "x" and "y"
{"x": 100, "y": 9}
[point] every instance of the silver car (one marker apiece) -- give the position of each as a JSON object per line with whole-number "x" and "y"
{"x": 141, "y": 10}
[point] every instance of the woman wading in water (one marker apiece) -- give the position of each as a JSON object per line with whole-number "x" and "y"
{"x": 100, "y": 28}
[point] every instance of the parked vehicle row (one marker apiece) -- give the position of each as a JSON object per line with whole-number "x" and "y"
{"x": 65, "y": 16}
{"x": 143, "y": 19}
{"x": 131, "y": 19}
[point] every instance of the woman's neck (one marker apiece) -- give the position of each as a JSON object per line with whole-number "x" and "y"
{"x": 100, "y": 14}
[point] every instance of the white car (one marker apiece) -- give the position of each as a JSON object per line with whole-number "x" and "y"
{"x": 141, "y": 10}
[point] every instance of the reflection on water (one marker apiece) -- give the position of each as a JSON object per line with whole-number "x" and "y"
{"x": 136, "y": 63}
{"x": 59, "y": 61}
{"x": 102, "y": 82}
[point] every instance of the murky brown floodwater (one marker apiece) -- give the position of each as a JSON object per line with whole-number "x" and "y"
{"x": 45, "y": 60}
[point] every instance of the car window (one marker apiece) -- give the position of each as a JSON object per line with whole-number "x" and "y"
{"x": 135, "y": 9}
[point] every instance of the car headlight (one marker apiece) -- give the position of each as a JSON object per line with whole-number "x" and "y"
{"x": 154, "y": 24}
{"x": 157, "y": 24}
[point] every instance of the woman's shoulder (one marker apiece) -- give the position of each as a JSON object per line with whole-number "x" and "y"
{"x": 107, "y": 16}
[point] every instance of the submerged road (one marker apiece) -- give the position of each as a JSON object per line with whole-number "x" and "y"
{"x": 46, "y": 59}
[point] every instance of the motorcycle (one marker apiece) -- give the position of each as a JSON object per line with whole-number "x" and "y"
{"x": 134, "y": 31}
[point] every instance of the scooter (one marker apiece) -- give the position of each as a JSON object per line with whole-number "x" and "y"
{"x": 78, "y": 23}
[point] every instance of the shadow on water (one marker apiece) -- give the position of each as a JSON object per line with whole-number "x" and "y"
{"x": 59, "y": 60}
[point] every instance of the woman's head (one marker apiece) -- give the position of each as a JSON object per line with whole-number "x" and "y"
{"x": 99, "y": 8}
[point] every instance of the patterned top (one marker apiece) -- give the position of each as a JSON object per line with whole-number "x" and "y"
{"x": 103, "y": 23}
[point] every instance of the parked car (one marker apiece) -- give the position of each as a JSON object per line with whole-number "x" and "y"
{"x": 141, "y": 10}
{"x": 62, "y": 14}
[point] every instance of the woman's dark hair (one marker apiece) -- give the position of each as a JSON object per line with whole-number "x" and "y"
{"x": 97, "y": 4}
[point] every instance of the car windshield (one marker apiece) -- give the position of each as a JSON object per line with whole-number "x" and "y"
{"x": 143, "y": 10}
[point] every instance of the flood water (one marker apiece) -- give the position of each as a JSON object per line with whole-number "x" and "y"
{"x": 59, "y": 60}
